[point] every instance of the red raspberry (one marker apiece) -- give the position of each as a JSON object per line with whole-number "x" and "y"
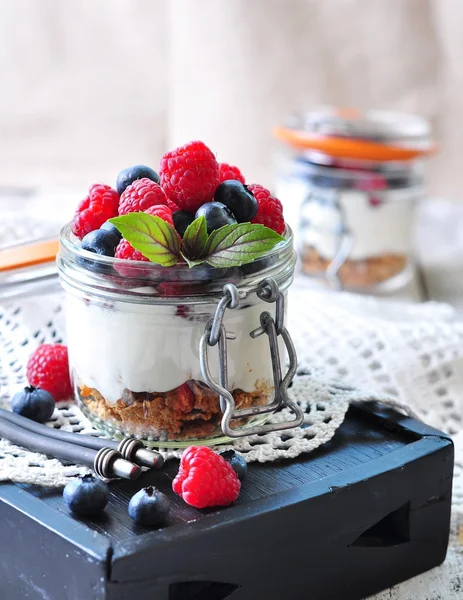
{"x": 161, "y": 211}
{"x": 189, "y": 175}
{"x": 48, "y": 368}
{"x": 205, "y": 479}
{"x": 229, "y": 172}
{"x": 270, "y": 211}
{"x": 141, "y": 195}
{"x": 127, "y": 252}
{"x": 100, "y": 205}
{"x": 171, "y": 204}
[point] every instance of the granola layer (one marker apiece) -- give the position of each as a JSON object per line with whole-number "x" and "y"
{"x": 356, "y": 273}
{"x": 171, "y": 416}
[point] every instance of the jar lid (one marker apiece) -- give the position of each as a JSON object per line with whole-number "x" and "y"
{"x": 348, "y": 133}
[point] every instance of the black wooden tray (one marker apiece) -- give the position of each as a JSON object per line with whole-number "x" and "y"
{"x": 369, "y": 509}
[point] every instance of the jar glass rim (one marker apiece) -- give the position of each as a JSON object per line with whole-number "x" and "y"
{"x": 108, "y": 275}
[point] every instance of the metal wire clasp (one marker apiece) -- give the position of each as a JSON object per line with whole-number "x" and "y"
{"x": 215, "y": 332}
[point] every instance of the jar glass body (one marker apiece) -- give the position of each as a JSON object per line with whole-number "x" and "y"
{"x": 134, "y": 331}
{"x": 357, "y": 214}
{"x": 350, "y": 182}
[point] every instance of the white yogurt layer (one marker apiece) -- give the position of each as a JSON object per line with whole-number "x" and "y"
{"x": 148, "y": 348}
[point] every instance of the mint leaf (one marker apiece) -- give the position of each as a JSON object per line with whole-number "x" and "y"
{"x": 238, "y": 244}
{"x": 150, "y": 235}
{"x": 195, "y": 239}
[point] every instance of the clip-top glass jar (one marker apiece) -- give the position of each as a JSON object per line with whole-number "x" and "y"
{"x": 354, "y": 180}
{"x": 171, "y": 355}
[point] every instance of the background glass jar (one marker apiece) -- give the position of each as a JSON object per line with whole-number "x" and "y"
{"x": 350, "y": 186}
{"x": 134, "y": 332}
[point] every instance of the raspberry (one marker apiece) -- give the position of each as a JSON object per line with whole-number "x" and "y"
{"x": 48, "y": 368}
{"x": 205, "y": 479}
{"x": 230, "y": 172}
{"x": 189, "y": 175}
{"x": 171, "y": 204}
{"x": 270, "y": 211}
{"x": 126, "y": 251}
{"x": 100, "y": 205}
{"x": 161, "y": 211}
{"x": 141, "y": 195}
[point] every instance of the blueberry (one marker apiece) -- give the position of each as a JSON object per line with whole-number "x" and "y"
{"x": 86, "y": 495}
{"x": 100, "y": 242}
{"x": 112, "y": 229}
{"x": 217, "y": 215}
{"x": 34, "y": 403}
{"x": 237, "y": 463}
{"x": 238, "y": 198}
{"x": 129, "y": 175}
{"x": 182, "y": 219}
{"x": 149, "y": 507}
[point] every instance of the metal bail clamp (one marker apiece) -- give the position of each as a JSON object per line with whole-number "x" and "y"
{"x": 215, "y": 333}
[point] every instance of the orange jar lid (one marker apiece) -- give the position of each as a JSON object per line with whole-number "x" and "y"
{"x": 348, "y": 133}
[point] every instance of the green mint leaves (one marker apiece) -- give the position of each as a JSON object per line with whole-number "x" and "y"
{"x": 150, "y": 235}
{"x": 235, "y": 245}
{"x": 229, "y": 246}
{"x": 194, "y": 241}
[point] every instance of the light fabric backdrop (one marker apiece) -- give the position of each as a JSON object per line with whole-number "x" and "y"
{"x": 88, "y": 87}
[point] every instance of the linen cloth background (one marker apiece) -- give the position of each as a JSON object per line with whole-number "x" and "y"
{"x": 87, "y": 87}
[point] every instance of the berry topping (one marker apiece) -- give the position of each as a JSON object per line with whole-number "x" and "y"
{"x": 149, "y": 507}
{"x": 112, "y": 229}
{"x": 100, "y": 242}
{"x": 86, "y": 496}
{"x": 217, "y": 215}
{"x": 100, "y": 205}
{"x": 238, "y": 198}
{"x": 162, "y": 212}
{"x": 48, "y": 368}
{"x": 189, "y": 175}
{"x": 33, "y": 403}
{"x": 182, "y": 219}
{"x": 205, "y": 479}
{"x": 237, "y": 463}
{"x": 131, "y": 174}
{"x": 229, "y": 172}
{"x": 141, "y": 195}
{"x": 270, "y": 211}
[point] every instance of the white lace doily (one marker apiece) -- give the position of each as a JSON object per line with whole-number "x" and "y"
{"x": 26, "y": 324}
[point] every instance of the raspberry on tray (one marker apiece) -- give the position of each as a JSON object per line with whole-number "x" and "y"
{"x": 48, "y": 368}
{"x": 206, "y": 479}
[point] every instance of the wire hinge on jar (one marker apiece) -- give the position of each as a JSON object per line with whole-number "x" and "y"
{"x": 215, "y": 333}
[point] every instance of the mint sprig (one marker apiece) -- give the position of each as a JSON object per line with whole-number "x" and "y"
{"x": 230, "y": 246}
{"x": 195, "y": 240}
{"x": 239, "y": 244}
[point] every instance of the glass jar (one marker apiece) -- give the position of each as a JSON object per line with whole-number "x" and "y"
{"x": 141, "y": 350}
{"x": 350, "y": 188}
